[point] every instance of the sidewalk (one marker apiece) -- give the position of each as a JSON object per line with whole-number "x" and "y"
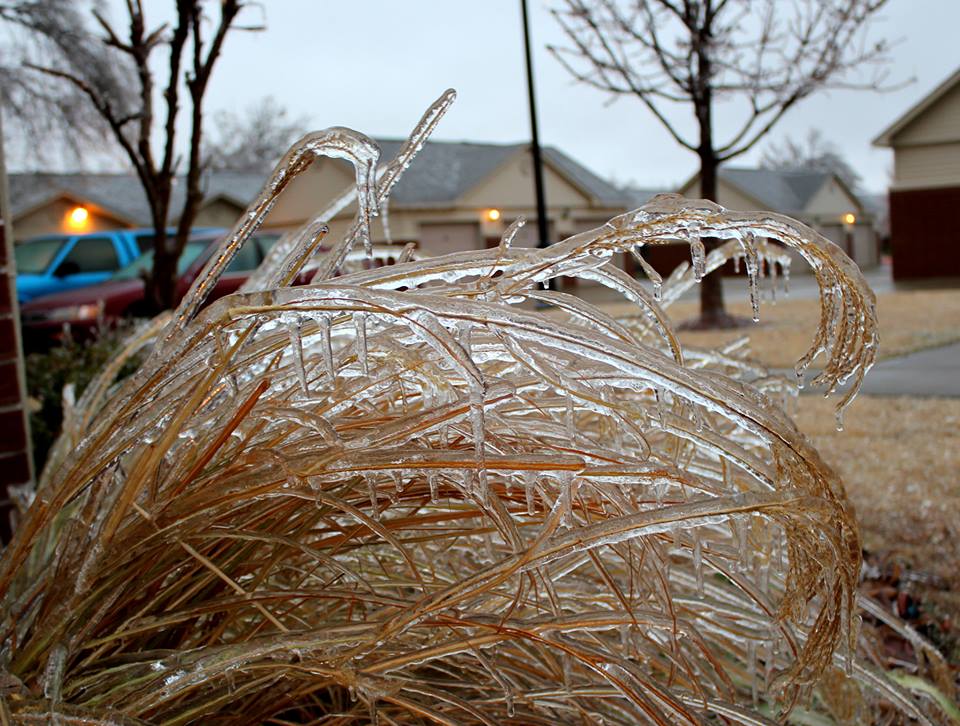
{"x": 930, "y": 373}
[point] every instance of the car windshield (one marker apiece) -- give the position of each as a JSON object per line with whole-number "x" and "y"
{"x": 36, "y": 255}
{"x": 144, "y": 263}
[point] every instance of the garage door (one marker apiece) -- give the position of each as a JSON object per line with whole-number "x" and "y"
{"x": 441, "y": 239}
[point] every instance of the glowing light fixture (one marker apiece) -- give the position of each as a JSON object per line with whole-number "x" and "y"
{"x": 493, "y": 214}
{"x": 78, "y": 217}
{"x": 849, "y": 218}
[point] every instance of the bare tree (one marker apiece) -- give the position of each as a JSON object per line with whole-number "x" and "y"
{"x": 51, "y": 121}
{"x": 814, "y": 153}
{"x": 766, "y": 54}
{"x": 129, "y": 112}
{"x": 254, "y": 140}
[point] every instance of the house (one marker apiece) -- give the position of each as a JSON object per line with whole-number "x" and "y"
{"x": 819, "y": 199}
{"x": 44, "y": 203}
{"x": 454, "y": 196}
{"x": 925, "y": 192}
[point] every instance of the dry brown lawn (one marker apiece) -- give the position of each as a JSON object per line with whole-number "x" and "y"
{"x": 909, "y": 321}
{"x": 900, "y": 462}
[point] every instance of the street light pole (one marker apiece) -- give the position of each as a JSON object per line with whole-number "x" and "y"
{"x": 542, "y": 232}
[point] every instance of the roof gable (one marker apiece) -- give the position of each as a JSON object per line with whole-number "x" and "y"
{"x": 788, "y": 192}
{"x": 924, "y": 106}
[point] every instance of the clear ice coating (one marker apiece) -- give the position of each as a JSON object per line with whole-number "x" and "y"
{"x": 405, "y": 493}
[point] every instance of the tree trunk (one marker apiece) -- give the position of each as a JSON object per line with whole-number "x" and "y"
{"x": 713, "y": 313}
{"x": 163, "y": 276}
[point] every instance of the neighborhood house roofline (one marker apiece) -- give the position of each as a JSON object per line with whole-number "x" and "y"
{"x": 885, "y": 138}
{"x": 79, "y": 200}
{"x": 735, "y": 176}
{"x": 441, "y": 178}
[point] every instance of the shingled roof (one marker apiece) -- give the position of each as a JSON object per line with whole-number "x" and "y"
{"x": 442, "y": 172}
{"x": 788, "y": 192}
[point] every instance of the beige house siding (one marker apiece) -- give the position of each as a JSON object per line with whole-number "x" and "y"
{"x": 218, "y": 213}
{"x": 938, "y": 124}
{"x": 921, "y": 167}
{"x": 830, "y": 203}
{"x": 513, "y": 181}
{"x": 307, "y": 193}
{"x": 51, "y": 218}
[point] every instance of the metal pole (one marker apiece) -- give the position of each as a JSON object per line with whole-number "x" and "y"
{"x": 543, "y": 240}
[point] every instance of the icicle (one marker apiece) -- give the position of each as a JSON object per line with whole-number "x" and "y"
{"x": 658, "y": 491}
{"x": 839, "y": 418}
{"x": 736, "y": 264}
{"x": 698, "y": 254}
{"x": 360, "y": 323}
{"x": 434, "y": 486}
{"x": 372, "y": 489}
{"x": 326, "y": 347}
{"x": 752, "y": 272}
{"x": 397, "y": 477}
{"x": 296, "y": 348}
{"x": 511, "y": 711}
{"x": 743, "y": 551}
{"x": 566, "y": 483}
{"x": 698, "y": 561}
{"x": 529, "y": 486}
{"x": 568, "y": 420}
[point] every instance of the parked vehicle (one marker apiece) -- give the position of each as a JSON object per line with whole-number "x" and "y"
{"x": 54, "y": 263}
{"x": 47, "y": 319}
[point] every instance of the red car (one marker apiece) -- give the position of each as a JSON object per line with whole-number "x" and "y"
{"x": 81, "y": 312}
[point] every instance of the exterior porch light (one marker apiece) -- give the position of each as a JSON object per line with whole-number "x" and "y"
{"x": 493, "y": 214}
{"x": 78, "y": 218}
{"x": 849, "y": 218}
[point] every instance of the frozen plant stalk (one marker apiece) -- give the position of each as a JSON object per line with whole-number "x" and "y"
{"x": 399, "y": 492}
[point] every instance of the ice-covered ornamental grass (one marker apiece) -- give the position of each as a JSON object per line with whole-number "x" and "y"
{"x": 410, "y": 495}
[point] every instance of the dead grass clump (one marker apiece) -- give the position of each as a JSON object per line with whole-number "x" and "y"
{"x": 398, "y": 495}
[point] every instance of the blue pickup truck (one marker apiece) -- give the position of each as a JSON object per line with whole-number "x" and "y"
{"x": 54, "y": 263}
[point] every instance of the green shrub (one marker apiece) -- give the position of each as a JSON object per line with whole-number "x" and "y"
{"x": 73, "y": 362}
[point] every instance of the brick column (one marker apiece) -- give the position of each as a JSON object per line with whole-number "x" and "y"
{"x": 16, "y": 461}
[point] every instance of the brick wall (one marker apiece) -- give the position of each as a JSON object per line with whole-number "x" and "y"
{"x": 16, "y": 466}
{"x": 924, "y": 233}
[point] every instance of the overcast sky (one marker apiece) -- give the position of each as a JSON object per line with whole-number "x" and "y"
{"x": 375, "y": 65}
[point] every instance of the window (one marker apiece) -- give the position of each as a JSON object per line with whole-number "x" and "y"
{"x": 246, "y": 259}
{"x": 34, "y": 256}
{"x": 144, "y": 263}
{"x": 144, "y": 242}
{"x": 90, "y": 254}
